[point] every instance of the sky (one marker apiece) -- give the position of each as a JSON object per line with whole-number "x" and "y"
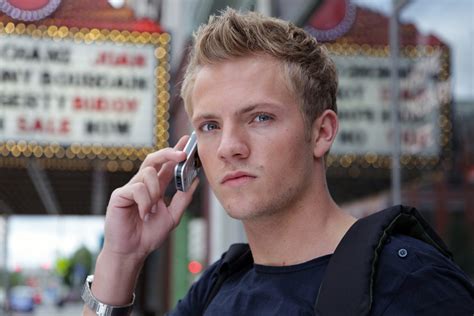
{"x": 34, "y": 241}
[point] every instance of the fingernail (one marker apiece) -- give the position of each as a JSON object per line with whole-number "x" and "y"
{"x": 153, "y": 209}
{"x": 147, "y": 216}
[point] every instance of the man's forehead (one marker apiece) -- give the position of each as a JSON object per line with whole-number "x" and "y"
{"x": 235, "y": 84}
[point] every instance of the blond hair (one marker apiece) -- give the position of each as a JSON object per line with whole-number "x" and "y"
{"x": 309, "y": 72}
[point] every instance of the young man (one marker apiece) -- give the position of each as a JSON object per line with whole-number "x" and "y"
{"x": 261, "y": 96}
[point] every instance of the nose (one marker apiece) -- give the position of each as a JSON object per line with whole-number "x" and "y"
{"x": 233, "y": 144}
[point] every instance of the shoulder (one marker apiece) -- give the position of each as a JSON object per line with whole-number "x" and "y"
{"x": 408, "y": 253}
{"x": 414, "y": 277}
{"x": 404, "y": 255}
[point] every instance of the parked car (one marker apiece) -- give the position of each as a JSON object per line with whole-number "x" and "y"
{"x": 21, "y": 299}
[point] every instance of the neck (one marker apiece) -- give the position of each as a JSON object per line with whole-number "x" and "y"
{"x": 303, "y": 232}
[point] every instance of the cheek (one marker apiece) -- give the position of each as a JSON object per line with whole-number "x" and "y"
{"x": 205, "y": 163}
{"x": 291, "y": 157}
{"x": 207, "y": 158}
{"x": 289, "y": 146}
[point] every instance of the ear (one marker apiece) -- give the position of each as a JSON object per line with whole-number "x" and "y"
{"x": 325, "y": 129}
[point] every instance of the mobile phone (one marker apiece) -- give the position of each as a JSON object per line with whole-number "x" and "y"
{"x": 187, "y": 170}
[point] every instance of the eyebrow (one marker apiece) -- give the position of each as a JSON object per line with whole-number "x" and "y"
{"x": 247, "y": 109}
{"x": 250, "y": 108}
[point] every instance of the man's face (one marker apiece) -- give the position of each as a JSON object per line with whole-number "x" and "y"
{"x": 251, "y": 137}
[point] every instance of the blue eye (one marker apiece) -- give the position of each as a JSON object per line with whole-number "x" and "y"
{"x": 262, "y": 117}
{"x": 207, "y": 127}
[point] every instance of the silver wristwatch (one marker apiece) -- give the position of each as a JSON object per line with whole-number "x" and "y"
{"x": 100, "y": 308}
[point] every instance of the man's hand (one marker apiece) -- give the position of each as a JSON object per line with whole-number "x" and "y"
{"x": 137, "y": 222}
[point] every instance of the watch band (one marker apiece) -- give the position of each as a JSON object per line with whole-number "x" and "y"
{"x": 100, "y": 308}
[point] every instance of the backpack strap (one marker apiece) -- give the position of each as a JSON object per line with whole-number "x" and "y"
{"x": 236, "y": 258}
{"x": 347, "y": 286}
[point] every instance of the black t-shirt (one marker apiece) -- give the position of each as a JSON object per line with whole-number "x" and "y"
{"x": 413, "y": 278}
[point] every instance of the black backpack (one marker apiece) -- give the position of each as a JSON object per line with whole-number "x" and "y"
{"x": 361, "y": 246}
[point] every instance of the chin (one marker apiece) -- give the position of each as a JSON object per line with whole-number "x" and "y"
{"x": 236, "y": 210}
{"x": 247, "y": 211}
{"x": 240, "y": 214}
{"x": 247, "y": 203}
{"x": 237, "y": 207}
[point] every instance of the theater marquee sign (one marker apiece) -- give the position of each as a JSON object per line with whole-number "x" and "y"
{"x": 89, "y": 90}
{"x": 364, "y": 105}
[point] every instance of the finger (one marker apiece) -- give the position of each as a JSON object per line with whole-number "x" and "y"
{"x": 150, "y": 179}
{"x": 181, "y": 142}
{"x": 142, "y": 197}
{"x": 136, "y": 193}
{"x": 122, "y": 197}
{"x": 180, "y": 201}
{"x": 159, "y": 208}
{"x": 166, "y": 172}
{"x": 157, "y": 158}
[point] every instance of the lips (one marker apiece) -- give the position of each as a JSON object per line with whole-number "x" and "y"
{"x": 237, "y": 177}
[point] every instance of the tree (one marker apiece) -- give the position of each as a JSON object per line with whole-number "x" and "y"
{"x": 73, "y": 270}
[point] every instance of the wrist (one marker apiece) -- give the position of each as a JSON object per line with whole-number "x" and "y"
{"x": 128, "y": 261}
{"x": 115, "y": 277}
{"x": 101, "y": 309}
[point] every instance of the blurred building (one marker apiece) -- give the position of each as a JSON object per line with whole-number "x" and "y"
{"x": 80, "y": 82}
